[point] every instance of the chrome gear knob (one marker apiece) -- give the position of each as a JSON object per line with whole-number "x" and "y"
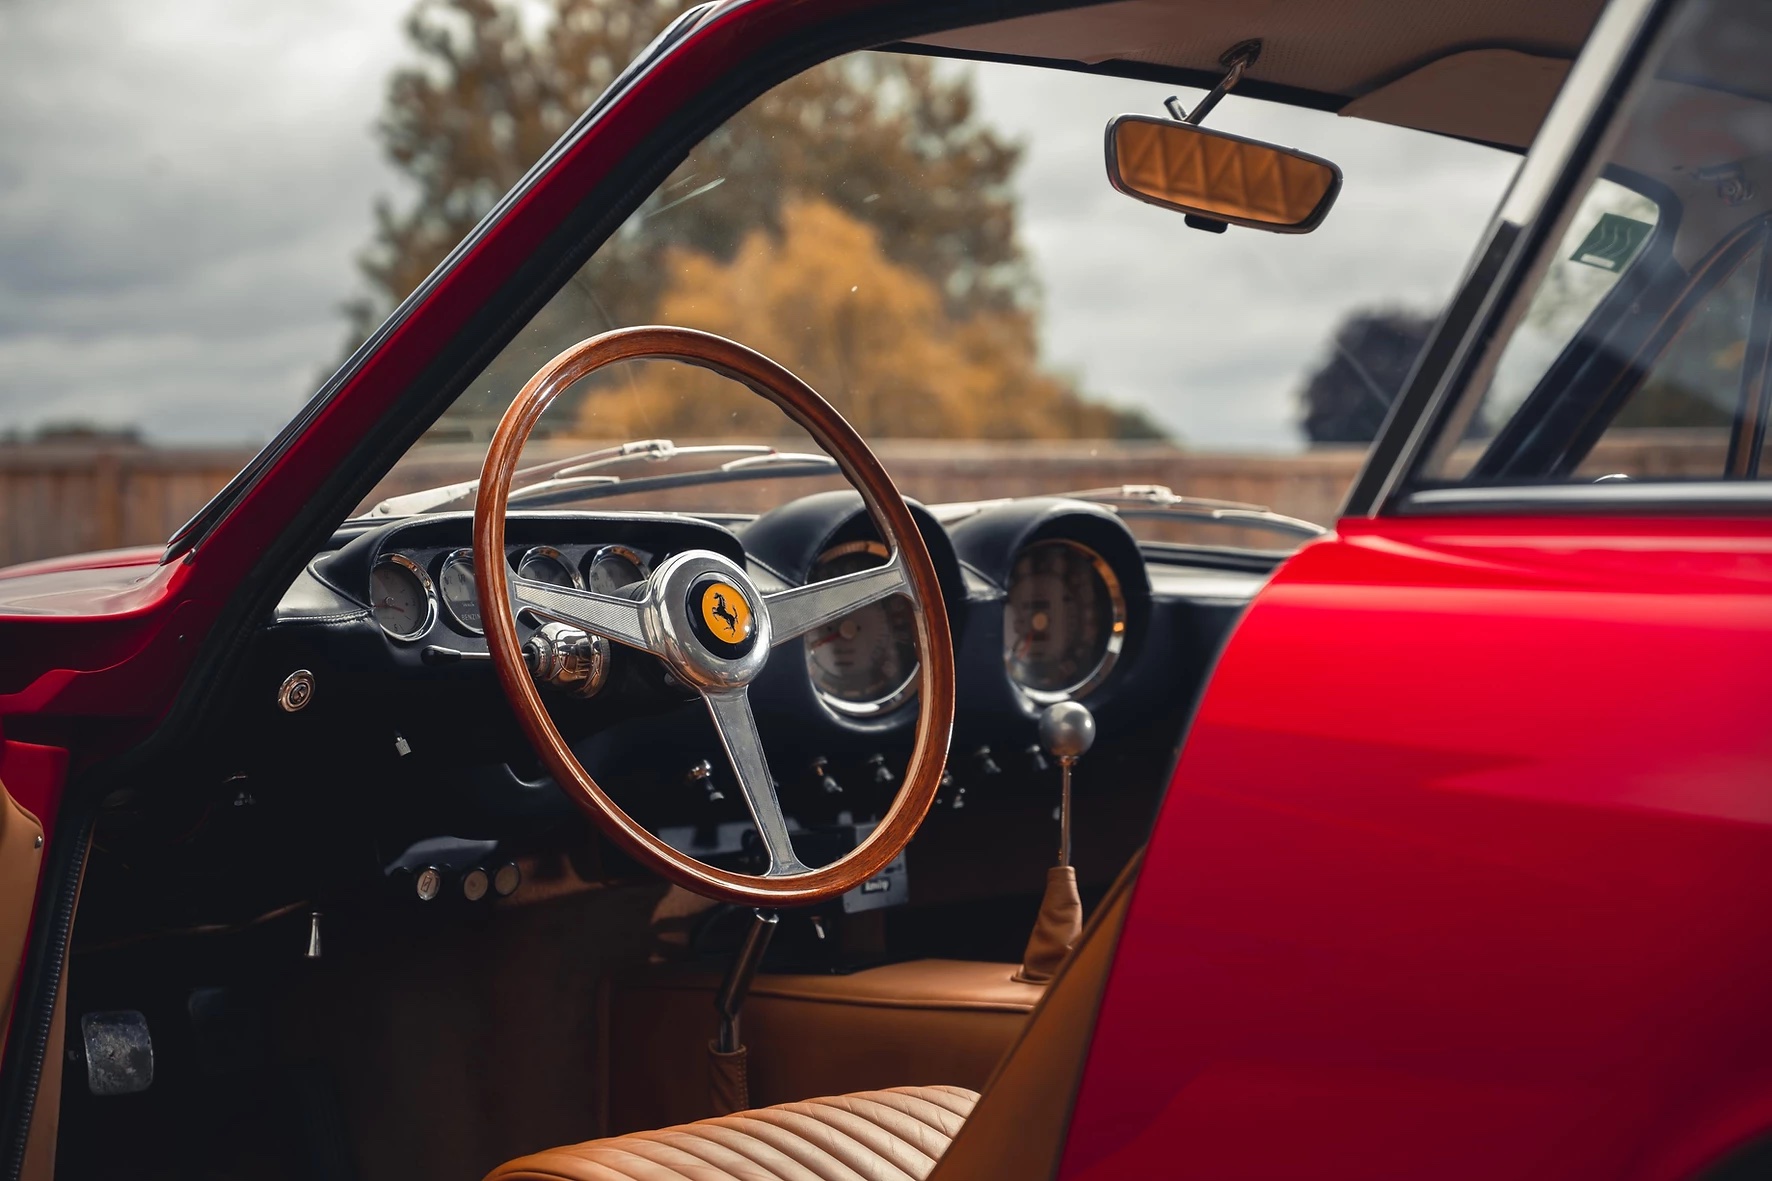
{"x": 1067, "y": 730}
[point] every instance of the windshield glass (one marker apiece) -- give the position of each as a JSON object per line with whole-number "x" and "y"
{"x": 932, "y": 244}
{"x": 936, "y": 250}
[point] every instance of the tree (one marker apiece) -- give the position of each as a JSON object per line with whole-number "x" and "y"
{"x": 882, "y": 136}
{"x": 1369, "y": 357}
{"x": 873, "y": 335}
{"x": 884, "y": 150}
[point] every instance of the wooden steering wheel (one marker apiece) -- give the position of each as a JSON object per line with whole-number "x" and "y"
{"x": 701, "y": 615}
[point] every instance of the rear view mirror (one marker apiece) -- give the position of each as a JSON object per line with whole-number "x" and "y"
{"x": 1219, "y": 177}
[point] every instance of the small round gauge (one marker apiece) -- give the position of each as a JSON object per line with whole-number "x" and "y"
{"x": 455, "y": 586}
{"x": 1064, "y": 621}
{"x": 866, "y": 662}
{"x": 400, "y": 597}
{"x": 612, "y": 568}
{"x": 544, "y": 563}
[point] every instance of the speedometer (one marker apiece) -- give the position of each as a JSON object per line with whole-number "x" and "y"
{"x": 1064, "y": 622}
{"x": 866, "y": 662}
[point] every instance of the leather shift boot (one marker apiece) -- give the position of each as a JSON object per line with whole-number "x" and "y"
{"x": 1057, "y": 928}
{"x": 729, "y": 1086}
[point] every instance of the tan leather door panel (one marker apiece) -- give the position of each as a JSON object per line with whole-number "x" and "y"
{"x": 21, "y": 857}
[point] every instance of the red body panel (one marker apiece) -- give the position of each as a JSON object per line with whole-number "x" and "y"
{"x": 1466, "y": 869}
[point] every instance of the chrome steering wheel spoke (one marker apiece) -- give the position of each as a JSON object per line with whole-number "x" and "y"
{"x": 620, "y": 620}
{"x": 793, "y": 613}
{"x": 731, "y": 711}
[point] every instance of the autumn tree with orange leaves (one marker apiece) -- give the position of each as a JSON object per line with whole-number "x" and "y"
{"x": 871, "y": 172}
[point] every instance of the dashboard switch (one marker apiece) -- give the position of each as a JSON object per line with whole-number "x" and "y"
{"x": 822, "y": 774}
{"x": 882, "y": 773}
{"x": 985, "y": 763}
{"x": 427, "y": 884}
{"x": 1037, "y": 758}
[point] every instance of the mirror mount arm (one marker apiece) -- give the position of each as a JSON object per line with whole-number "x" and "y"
{"x": 1235, "y": 60}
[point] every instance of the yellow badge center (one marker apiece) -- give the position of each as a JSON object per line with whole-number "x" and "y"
{"x": 726, "y": 612}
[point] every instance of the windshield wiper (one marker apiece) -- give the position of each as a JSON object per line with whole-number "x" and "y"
{"x": 1155, "y": 500}
{"x": 570, "y": 478}
{"x": 754, "y": 463}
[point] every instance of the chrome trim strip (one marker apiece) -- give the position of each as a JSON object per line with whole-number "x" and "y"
{"x": 1615, "y": 495}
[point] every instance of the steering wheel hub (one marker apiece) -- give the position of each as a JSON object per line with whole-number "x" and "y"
{"x": 704, "y": 613}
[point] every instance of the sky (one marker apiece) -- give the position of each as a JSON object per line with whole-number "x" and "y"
{"x": 182, "y": 199}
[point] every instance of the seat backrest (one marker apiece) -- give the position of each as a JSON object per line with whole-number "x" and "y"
{"x": 1018, "y": 1129}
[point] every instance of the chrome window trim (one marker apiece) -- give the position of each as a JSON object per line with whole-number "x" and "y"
{"x": 1611, "y": 496}
{"x": 1565, "y": 156}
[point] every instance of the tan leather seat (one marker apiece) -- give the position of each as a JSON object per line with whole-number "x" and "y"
{"x": 895, "y": 1135}
{"x": 901, "y": 1134}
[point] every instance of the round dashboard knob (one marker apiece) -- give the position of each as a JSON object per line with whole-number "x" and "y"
{"x": 1067, "y": 729}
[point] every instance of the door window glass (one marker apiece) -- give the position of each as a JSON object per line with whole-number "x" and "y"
{"x": 1633, "y": 357}
{"x": 1677, "y": 422}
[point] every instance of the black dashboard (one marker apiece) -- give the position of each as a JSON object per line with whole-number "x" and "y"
{"x": 372, "y": 689}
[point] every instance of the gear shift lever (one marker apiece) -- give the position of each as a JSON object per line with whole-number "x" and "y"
{"x": 1067, "y": 730}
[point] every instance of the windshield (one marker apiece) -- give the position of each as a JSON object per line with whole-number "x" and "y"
{"x": 932, "y": 244}
{"x": 935, "y": 249}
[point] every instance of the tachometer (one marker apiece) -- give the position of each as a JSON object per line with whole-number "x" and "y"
{"x": 455, "y": 586}
{"x": 1064, "y": 621}
{"x": 613, "y": 567}
{"x": 544, "y": 563}
{"x": 866, "y": 662}
{"x": 400, "y": 597}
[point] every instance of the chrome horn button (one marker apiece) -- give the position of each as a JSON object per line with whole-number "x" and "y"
{"x": 708, "y": 620}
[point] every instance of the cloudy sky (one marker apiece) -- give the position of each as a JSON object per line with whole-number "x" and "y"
{"x": 184, "y": 185}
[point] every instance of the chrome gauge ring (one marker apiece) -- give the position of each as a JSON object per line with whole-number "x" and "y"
{"x": 457, "y": 592}
{"x": 1064, "y": 621}
{"x": 864, "y": 664}
{"x": 402, "y": 597}
{"x": 544, "y": 563}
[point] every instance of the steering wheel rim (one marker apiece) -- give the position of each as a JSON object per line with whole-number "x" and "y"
{"x": 662, "y": 621}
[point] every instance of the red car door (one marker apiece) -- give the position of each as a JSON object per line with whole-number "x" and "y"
{"x": 1464, "y": 868}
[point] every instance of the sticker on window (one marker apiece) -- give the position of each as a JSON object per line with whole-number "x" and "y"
{"x": 1612, "y": 242}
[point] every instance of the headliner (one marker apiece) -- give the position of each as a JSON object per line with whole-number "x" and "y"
{"x": 1479, "y": 69}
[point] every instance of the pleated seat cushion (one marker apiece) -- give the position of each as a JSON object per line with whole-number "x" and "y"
{"x": 894, "y": 1135}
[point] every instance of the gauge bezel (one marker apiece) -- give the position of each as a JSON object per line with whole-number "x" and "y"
{"x": 548, "y": 551}
{"x": 874, "y": 708}
{"x": 424, "y": 581}
{"x": 1116, "y": 641}
{"x": 455, "y": 619}
{"x": 641, "y": 562}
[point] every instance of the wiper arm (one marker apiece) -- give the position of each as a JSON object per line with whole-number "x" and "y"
{"x": 410, "y": 503}
{"x": 1155, "y": 500}
{"x": 754, "y": 463}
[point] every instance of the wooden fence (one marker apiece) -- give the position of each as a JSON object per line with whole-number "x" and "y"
{"x": 71, "y": 498}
